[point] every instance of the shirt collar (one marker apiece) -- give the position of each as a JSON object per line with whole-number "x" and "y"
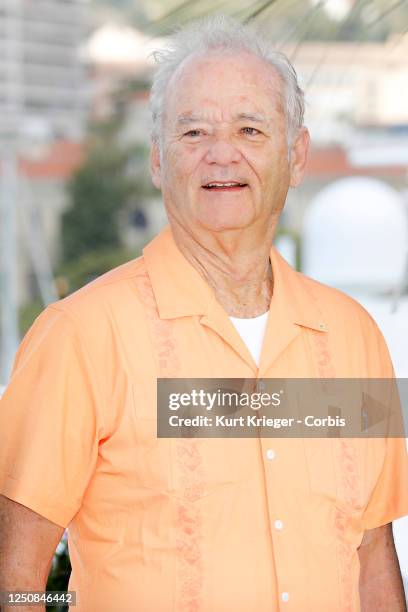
{"x": 180, "y": 290}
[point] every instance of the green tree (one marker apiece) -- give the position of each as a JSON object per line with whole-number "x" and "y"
{"x": 98, "y": 191}
{"x": 112, "y": 182}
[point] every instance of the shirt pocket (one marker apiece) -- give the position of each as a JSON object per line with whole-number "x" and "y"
{"x": 336, "y": 469}
{"x": 171, "y": 467}
{"x": 187, "y": 469}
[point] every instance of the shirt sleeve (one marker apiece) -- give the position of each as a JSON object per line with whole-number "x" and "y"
{"x": 389, "y": 499}
{"x": 50, "y": 421}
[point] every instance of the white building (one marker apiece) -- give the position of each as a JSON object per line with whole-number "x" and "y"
{"x": 353, "y": 85}
{"x": 41, "y": 77}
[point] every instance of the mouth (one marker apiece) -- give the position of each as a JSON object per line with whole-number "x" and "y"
{"x": 224, "y": 186}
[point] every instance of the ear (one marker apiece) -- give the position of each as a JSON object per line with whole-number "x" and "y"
{"x": 155, "y": 167}
{"x": 298, "y": 158}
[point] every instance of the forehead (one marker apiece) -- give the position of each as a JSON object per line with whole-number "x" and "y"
{"x": 221, "y": 84}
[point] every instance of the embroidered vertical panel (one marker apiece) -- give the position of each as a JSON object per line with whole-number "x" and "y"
{"x": 349, "y": 481}
{"x": 188, "y": 466}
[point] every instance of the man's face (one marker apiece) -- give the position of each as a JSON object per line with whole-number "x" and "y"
{"x": 224, "y": 161}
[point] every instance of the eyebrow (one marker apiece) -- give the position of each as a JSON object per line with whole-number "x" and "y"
{"x": 256, "y": 117}
{"x": 187, "y": 118}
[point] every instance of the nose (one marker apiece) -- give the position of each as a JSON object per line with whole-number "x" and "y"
{"x": 222, "y": 152}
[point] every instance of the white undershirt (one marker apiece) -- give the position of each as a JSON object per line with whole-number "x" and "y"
{"x": 252, "y": 332}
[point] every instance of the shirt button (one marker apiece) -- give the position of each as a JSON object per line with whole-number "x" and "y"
{"x": 270, "y": 453}
{"x": 285, "y": 596}
{"x": 278, "y": 525}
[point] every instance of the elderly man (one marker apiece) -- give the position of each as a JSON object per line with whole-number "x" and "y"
{"x": 203, "y": 525}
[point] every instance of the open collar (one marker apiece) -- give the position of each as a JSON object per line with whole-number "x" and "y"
{"x": 181, "y": 291}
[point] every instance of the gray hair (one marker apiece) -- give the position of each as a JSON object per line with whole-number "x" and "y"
{"x": 223, "y": 33}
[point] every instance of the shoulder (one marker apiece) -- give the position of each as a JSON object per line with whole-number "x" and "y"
{"x": 105, "y": 297}
{"x": 95, "y": 316}
{"x": 90, "y": 333}
{"x": 337, "y": 307}
{"x": 352, "y": 331}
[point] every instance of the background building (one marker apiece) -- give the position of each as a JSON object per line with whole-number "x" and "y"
{"x": 43, "y": 100}
{"x": 41, "y": 77}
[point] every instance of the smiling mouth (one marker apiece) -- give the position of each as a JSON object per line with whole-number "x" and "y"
{"x": 224, "y": 186}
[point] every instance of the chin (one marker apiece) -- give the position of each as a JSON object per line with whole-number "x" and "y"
{"x": 220, "y": 223}
{"x": 220, "y": 218}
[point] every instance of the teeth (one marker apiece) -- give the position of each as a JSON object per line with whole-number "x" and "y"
{"x": 223, "y": 184}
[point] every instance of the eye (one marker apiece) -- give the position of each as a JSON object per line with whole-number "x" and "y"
{"x": 193, "y": 133}
{"x": 250, "y": 131}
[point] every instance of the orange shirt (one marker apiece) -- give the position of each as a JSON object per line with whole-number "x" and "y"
{"x": 194, "y": 525}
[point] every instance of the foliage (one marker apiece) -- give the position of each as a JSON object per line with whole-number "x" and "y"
{"x": 368, "y": 20}
{"x": 60, "y": 572}
{"x": 29, "y": 312}
{"x": 111, "y": 182}
{"x": 99, "y": 191}
{"x": 92, "y": 219}
{"x": 92, "y": 264}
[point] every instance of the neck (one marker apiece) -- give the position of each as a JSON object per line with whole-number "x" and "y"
{"x": 235, "y": 263}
